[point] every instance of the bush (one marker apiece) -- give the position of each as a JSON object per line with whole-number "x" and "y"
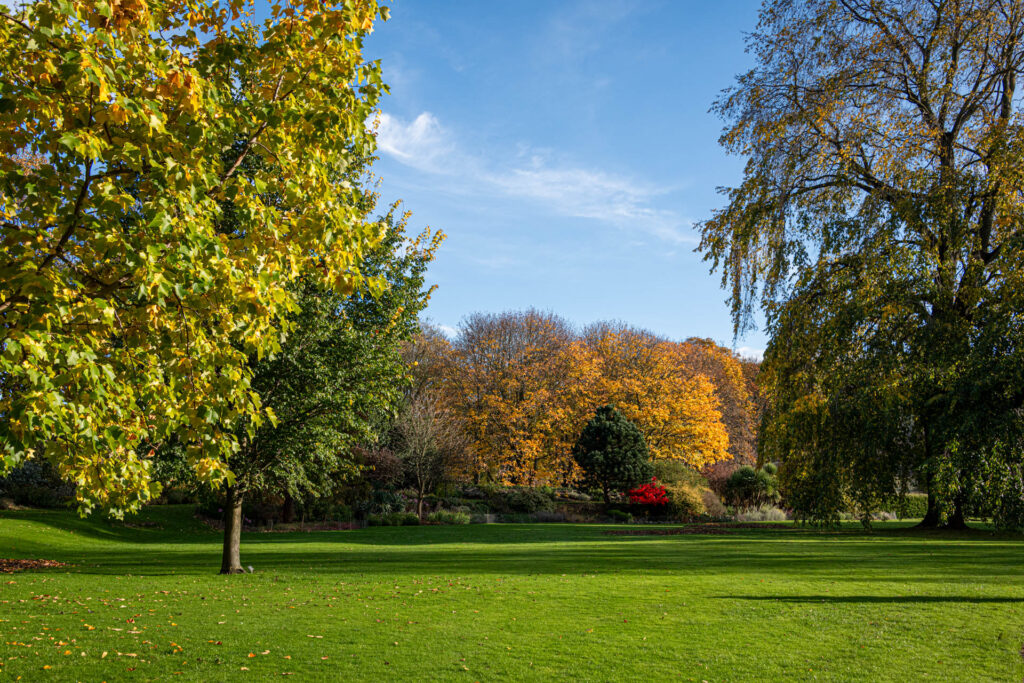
{"x": 910, "y": 506}
{"x": 382, "y": 502}
{"x": 762, "y": 513}
{"x": 393, "y": 519}
{"x": 448, "y": 517}
{"x": 687, "y": 500}
{"x": 748, "y": 487}
{"x": 572, "y": 494}
{"x": 620, "y": 516}
{"x": 913, "y": 506}
{"x": 713, "y": 506}
{"x": 651, "y": 493}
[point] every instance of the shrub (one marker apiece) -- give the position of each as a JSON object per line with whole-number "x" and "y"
{"x": 651, "y": 493}
{"x": 713, "y": 506}
{"x": 393, "y": 519}
{"x": 762, "y": 513}
{"x": 620, "y": 516}
{"x": 687, "y": 500}
{"x": 572, "y": 494}
{"x": 382, "y": 502}
{"x": 912, "y": 506}
{"x": 35, "y": 483}
{"x": 748, "y": 487}
{"x": 448, "y": 517}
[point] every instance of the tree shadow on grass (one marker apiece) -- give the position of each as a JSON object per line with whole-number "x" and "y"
{"x": 181, "y": 544}
{"x": 683, "y": 557}
{"x": 870, "y": 599}
{"x": 168, "y": 524}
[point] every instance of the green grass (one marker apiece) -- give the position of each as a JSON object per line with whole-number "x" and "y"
{"x": 507, "y": 602}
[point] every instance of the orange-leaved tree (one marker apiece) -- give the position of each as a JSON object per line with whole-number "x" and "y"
{"x": 522, "y": 382}
{"x": 650, "y": 381}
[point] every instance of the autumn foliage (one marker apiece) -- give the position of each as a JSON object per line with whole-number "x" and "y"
{"x": 525, "y": 383}
{"x": 651, "y": 493}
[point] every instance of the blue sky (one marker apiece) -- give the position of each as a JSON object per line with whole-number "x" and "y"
{"x": 566, "y": 149}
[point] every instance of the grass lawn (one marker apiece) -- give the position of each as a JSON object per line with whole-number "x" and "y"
{"x": 507, "y": 602}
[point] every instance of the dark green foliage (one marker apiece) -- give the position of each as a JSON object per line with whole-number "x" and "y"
{"x": 35, "y": 483}
{"x": 612, "y": 453}
{"x": 382, "y": 502}
{"x": 338, "y": 376}
{"x": 749, "y": 487}
{"x": 620, "y": 516}
{"x": 910, "y": 506}
{"x": 524, "y": 499}
{"x": 394, "y": 519}
{"x": 448, "y": 517}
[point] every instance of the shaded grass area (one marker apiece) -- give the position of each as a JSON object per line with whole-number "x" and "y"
{"x": 507, "y": 602}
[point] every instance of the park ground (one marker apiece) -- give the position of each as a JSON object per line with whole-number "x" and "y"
{"x": 142, "y": 601}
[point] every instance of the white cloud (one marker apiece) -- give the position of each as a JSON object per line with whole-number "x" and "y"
{"x": 420, "y": 143}
{"x": 449, "y": 331}
{"x": 424, "y": 144}
{"x": 752, "y": 353}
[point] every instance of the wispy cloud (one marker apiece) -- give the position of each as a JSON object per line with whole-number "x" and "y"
{"x": 424, "y": 144}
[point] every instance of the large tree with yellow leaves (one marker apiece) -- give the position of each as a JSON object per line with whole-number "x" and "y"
{"x": 126, "y": 312}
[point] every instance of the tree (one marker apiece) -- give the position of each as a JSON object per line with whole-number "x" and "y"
{"x": 337, "y": 378}
{"x": 879, "y": 224}
{"x": 612, "y": 453}
{"x": 654, "y": 383}
{"x": 428, "y": 440}
{"x": 521, "y": 382}
{"x": 734, "y": 380}
{"x": 126, "y": 314}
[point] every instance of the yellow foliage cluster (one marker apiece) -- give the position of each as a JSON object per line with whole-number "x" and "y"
{"x": 525, "y": 384}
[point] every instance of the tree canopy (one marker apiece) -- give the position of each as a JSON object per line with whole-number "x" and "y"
{"x": 127, "y": 314}
{"x": 879, "y": 224}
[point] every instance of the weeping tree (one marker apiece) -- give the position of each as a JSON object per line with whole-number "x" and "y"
{"x": 878, "y": 224}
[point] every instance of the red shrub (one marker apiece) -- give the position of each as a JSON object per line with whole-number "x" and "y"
{"x": 649, "y": 494}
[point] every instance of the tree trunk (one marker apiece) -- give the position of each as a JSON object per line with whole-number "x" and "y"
{"x": 231, "y": 562}
{"x": 957, "y": 521}
{"x": 419, "y": 506}
{"x": 931, "y": 517}
{"x": 288, "y": 509}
